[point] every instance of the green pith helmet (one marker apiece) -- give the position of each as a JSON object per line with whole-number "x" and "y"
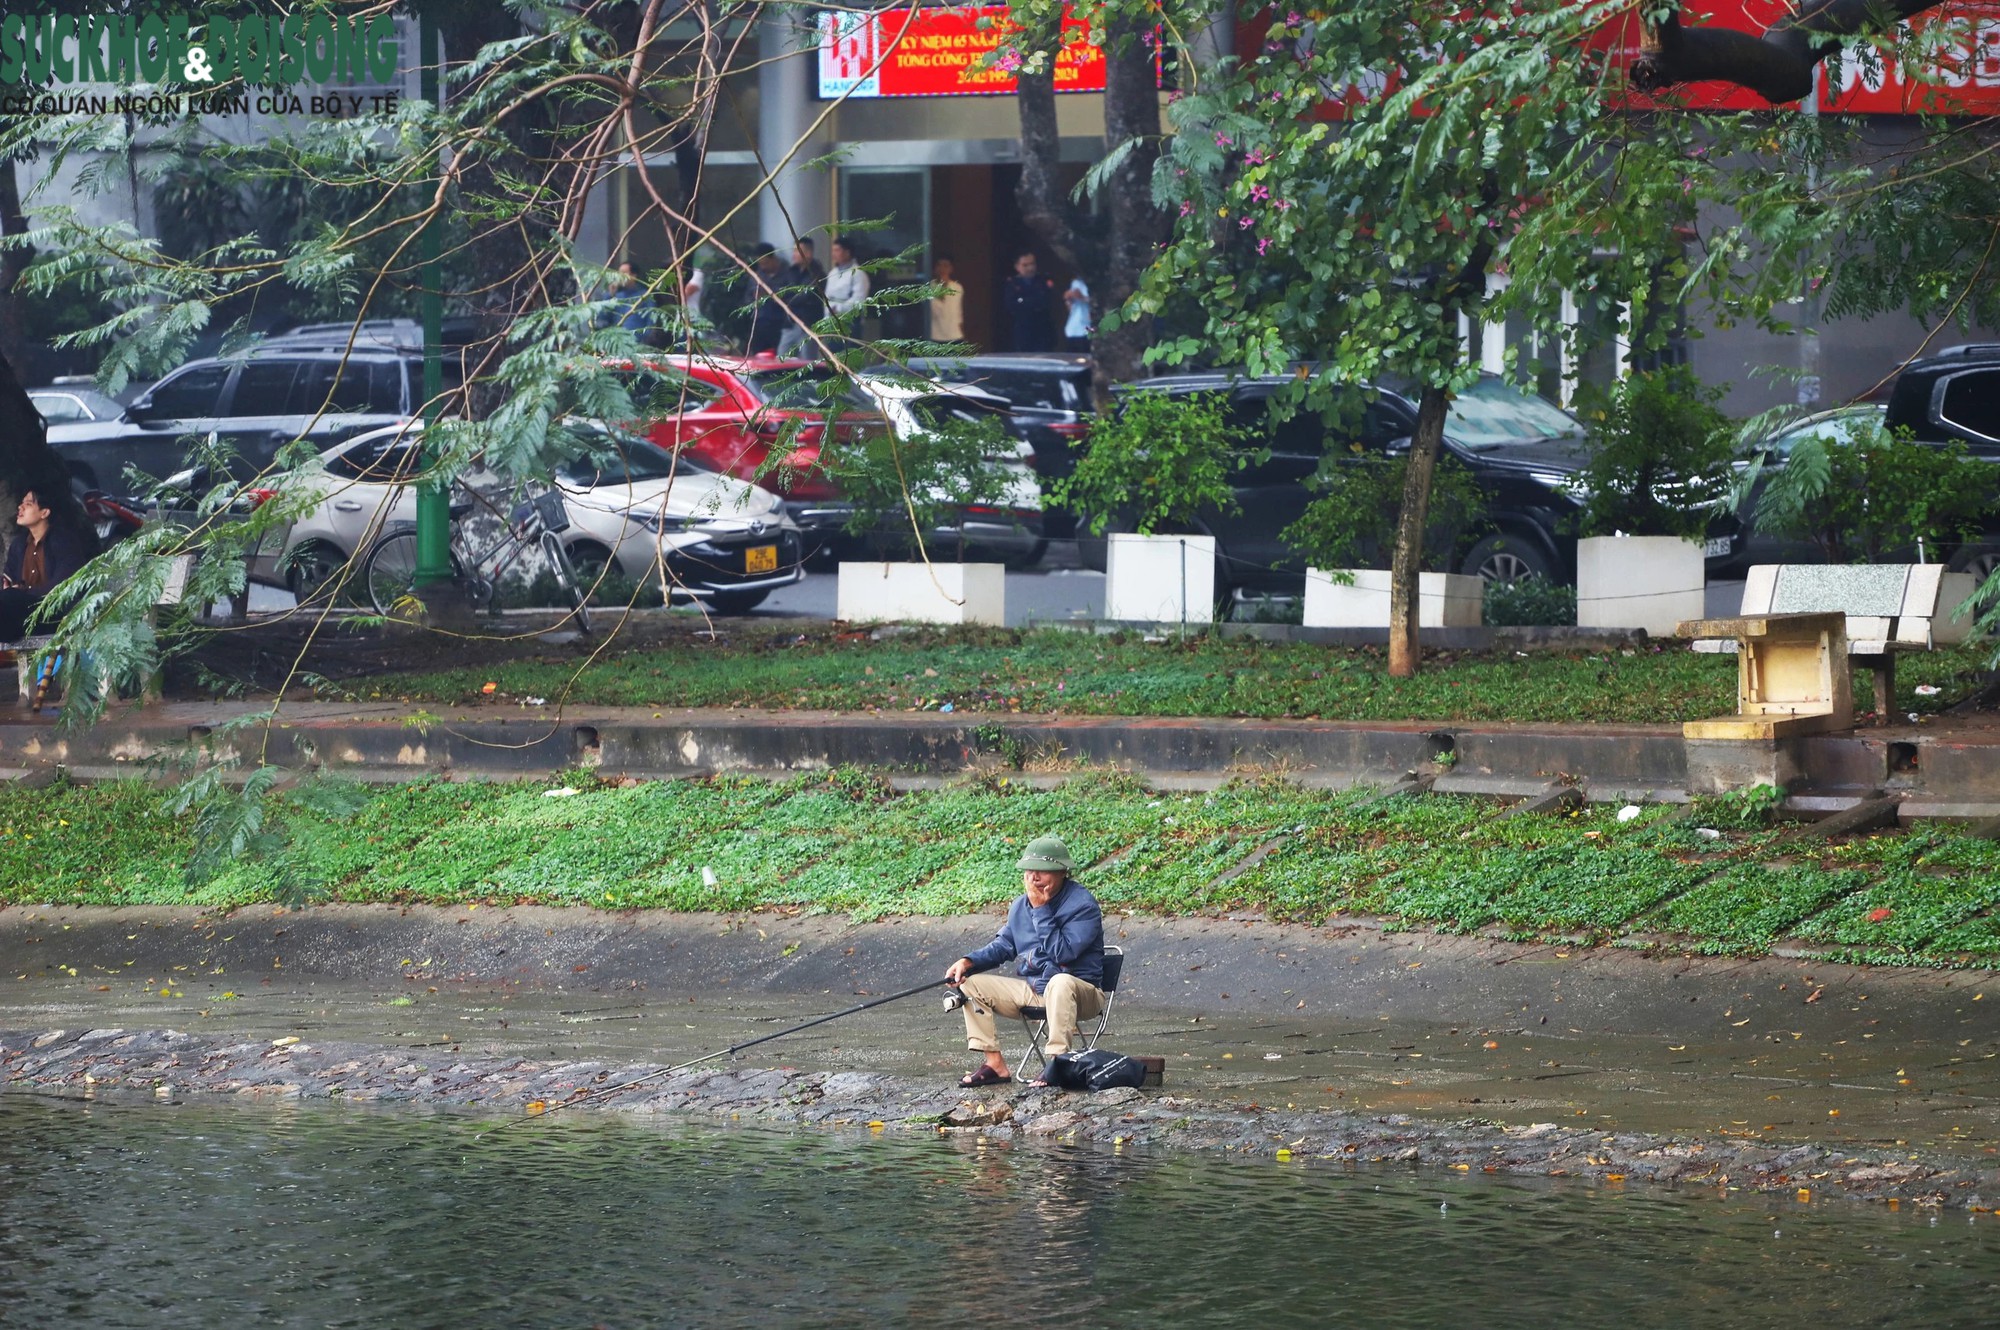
{"x": 1046, "y": 854}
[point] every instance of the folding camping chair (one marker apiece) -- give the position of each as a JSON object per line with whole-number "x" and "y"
{"x": 1035, "y": 1020}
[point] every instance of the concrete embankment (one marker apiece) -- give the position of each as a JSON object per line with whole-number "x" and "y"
{"x": 1934, "y": 773}
{"x": 1772, "y": 1075}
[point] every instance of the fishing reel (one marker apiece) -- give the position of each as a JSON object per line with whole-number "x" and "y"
{"x": 954, "y": 1000}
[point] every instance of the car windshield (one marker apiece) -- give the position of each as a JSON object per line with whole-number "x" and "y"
{"x": 623, "y": 460}
{"x": 1492, "y": 413}
{"x": 1843, "y": 426}
{"x": 805, "y": 388}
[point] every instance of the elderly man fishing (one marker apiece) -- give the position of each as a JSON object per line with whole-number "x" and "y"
{"x": 1055, "y": 934}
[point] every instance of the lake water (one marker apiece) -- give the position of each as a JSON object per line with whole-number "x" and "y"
{"x": 321, "y": 1216}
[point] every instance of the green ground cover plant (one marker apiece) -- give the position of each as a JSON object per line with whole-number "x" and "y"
{"x": 1080, "y": 674}
{"x": 844, "y": 842}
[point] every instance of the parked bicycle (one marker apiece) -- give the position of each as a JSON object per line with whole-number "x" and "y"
{"x": 389, "y": 573}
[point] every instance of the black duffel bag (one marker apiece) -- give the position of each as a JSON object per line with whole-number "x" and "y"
{"x": 1094, "y": 1069}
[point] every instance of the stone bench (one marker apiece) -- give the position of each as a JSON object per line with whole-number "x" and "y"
{"x": 1803, "y": 629}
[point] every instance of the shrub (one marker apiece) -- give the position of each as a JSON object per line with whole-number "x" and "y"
{"x": 1660, "y": 454}
{"x": 1352, "y": 524}
{"x": 1532, "y": 602}
{"x": 1157, "y": 460}
{"x": 1862, "y": 494}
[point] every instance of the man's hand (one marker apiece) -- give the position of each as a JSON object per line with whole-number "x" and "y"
{"x": 955, "y": 973}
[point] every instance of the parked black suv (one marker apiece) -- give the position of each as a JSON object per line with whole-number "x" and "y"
{"x": 300, "y": 385}
{"x": 1049, "y": 392}
{"x": 1521, "y": 450}
{"x": 1953, "y": 396}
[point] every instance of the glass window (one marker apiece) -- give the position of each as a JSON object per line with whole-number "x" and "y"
{"x": 1039, "y": 389}
{"x": 898, "y": 198}
{"x": 806, "y": 388}
{"x": 190, "y": 394}
{"x": 1972, "y": 403}
{"x": 365, "y": 387}
{"x": 263, "y": 388}
{"x": 388, "y": 460}
{"x": 60, "y": 408}
{"x": 629, "y": 460}
{"x": 1492, "y": 412}
{"x": 656, "y": 393}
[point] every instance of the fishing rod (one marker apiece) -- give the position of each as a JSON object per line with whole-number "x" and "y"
{"x": 623, "y": 1086}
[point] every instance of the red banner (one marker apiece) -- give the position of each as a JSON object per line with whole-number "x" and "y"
{"x": 939, "y": 53}
{"x": 1962, "y": 40}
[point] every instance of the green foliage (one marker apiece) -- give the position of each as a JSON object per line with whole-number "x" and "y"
{"x": 907, "y": 487}
{"x": 843, "y": 841}
{"x": 1864, "y": 495}
{"x": 1746, "y": 809}
{"x": 1660, "y": 452}
{"x": 1000, "y": 673}
{"x": 1352, "y": 524}
{"x": 1474, "y": 141}
{"x": 1531, "y": 602}
{"x": 1157, "y": 461}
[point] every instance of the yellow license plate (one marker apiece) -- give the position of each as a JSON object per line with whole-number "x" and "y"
{"x": 760, "y": 559}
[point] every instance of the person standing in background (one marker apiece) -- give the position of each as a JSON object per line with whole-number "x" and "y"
{"x": 1029, "y": 299}
{"x": 948, "y": 305}
{"x": 1077, "y": 326}
{"x": 802, "y": 281}
{"x": 846, "y": 284}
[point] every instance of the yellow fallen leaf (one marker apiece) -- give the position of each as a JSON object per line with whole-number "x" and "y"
{"x": 284, "y": 1042}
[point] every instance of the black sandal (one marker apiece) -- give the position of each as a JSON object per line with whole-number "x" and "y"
{"x": 983, "y": 1075}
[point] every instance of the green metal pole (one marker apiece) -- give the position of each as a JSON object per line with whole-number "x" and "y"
{"x": 433, "y": 504}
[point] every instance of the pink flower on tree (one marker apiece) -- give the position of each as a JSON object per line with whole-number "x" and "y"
{"x": 1224, "y": 141}
{"x": 1186, "y": 208}
{"x": 1263, "y": 244}
{"x": 1255, "y": 157}
{"x": 1245, "y": 223}
{"x": 1010, "y": 60}
{"x": 1258, "y": 193}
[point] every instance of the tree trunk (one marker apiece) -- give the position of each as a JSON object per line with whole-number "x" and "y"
{"x": 1114, "y": 250}
{"x": 1404, "y": 648}
{"x": 13, "y": 323}
{"x": 1131, "y": 115}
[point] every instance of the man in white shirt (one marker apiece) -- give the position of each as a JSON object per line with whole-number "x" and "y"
{"x": 1076, "y": 327}
{"x": 948, "y": 306}
{"x": 846, "y": 285}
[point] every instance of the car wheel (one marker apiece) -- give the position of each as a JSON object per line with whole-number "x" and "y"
{"x": 1028, "y": 558}
{"x": 1507, "y": 559}
{"x": 312, "y": 568}
{"x": 736, "y": 602}
{"x": 1979, "y": 560}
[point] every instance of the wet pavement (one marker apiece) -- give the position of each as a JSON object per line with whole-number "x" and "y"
{"x": 1459, "y": 1033}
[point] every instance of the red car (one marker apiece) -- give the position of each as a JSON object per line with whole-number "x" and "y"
{"x": 733, "y": 412}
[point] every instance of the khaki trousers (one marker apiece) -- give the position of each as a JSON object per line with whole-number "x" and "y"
{"x": 988, "y": 995}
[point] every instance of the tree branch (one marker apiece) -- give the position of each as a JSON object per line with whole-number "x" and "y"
{"x": 1777, "y": 66}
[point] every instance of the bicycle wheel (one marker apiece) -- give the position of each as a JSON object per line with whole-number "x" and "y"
{"x": 390, "y": 574}
{"x": 566, "y": 577}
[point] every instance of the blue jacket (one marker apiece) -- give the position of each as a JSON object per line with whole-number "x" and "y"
{"x": 1066, "y": 936}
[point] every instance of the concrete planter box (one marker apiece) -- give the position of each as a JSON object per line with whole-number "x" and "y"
{"x": 1649, "y": 582}
{"x": 923, "y": 593}
{"x": 1948, "y": 629}
{"x": 1160, "y": 579}
{"x": 1444, "y": 600}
